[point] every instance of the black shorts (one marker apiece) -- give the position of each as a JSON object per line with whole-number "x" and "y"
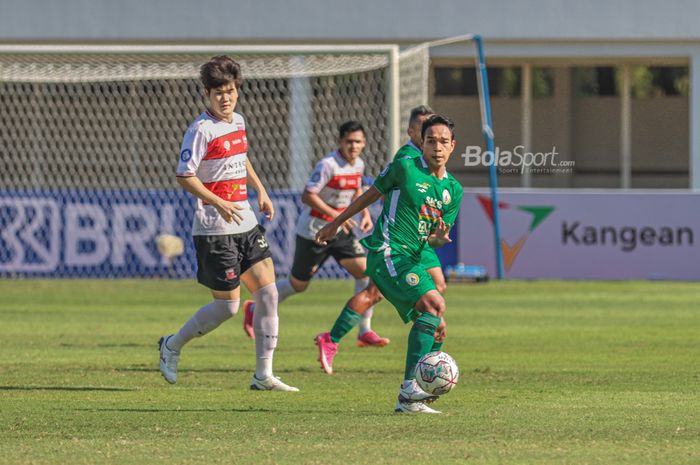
{"x": 221, "y": 260}
{"x": 309, "y": 256}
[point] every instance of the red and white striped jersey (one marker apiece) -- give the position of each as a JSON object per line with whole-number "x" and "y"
{"x": 335, "y": 181}
{"x": 216, "y": 152}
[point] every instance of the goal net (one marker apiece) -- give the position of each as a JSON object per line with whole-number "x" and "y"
{"x": 90, "y": 139}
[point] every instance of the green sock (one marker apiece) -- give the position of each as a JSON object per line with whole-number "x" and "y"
{"x": 421, "y": 339}
{"x": 347, "y": 320}
{"x": 437, "y": 347}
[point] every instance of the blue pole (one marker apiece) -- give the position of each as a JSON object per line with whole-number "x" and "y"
{"x": 487, "y": 130}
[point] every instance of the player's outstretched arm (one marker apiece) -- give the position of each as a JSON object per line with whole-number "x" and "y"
{"x": 264, "y": 202}
{"x": 329, "y": 231}
{"x": 227, "y": 210}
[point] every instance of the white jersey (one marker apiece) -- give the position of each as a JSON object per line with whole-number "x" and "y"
{"x": 216, "y": 152}
{"x": 335, "y": 181}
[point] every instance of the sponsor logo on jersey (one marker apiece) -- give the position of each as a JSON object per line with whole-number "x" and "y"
{"x": 384, "y": 171}
{"x": 422, "y": 187}
{"x": 227, "y": 145}
{"x": 446, "y": 198}
{"x": 433, "y": 202}
{"x": 412, "y": 279}
{"x": 186, "y": 155}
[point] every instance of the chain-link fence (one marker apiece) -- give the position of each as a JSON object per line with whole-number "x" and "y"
{"x": 90, "y": 142}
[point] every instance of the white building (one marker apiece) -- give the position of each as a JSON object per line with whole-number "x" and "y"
{"x": 611, "y": 85}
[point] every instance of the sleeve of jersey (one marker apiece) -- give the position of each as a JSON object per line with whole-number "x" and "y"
{"x": 389, "y": 178}
{"x": 319, "y": 177}
{"x": 192, "y": 151}
{"x": 451, "y": 214}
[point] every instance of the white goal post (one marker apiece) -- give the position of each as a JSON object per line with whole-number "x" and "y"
{"x": 90, "y": 136}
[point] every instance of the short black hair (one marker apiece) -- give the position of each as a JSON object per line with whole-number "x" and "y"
{"x": 219, "y": 71}
{"x": 434, "y": 120}
{"x": 420, "y": 110}
{"x": 348, "y": 127}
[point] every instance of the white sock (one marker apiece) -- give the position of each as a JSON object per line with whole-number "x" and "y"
{"x": 366, "y": 321}
{"x": 266, "y": 327}
{"x": 285, "y": 289}
{"x": 207, "y": 318}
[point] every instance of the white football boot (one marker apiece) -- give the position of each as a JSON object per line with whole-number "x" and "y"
{"x": 168, "y": 361}
{"x": 411, "y": 392}
{"x": 413, "y": 407}
{"x": 271, "y": 383}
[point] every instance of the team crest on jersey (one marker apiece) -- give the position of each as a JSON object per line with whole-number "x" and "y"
{"x": 186, "y": 155}
{"x": 422, "y": 187}
{"x": 446, "y": 198}
{"x": 230, "y": 274}
{"x": 412, "y": 279}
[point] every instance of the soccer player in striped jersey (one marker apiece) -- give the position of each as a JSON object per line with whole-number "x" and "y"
{"x": 231, "y": 248}
{"x": 334, "y": 183}
{"x": 423, "y": 206}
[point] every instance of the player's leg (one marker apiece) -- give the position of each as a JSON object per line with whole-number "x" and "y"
{"x": 366, "y": 337}
{"x": 421, "y": 340}
{"x": 431, "y": 262}
{"x": 439, "y": 278}
{"x": 441, "y": 286}
{"x": 308, "y": 257}
{"x": 349, "y": 318}
{"x": 220, "y": 273}
{"x": 258, "y": 275}
{"x": 409, "y": 287}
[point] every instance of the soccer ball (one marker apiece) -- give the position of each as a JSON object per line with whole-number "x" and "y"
{"x": 437, "y": 373}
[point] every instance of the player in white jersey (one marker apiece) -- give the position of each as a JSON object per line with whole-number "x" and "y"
{"x": 231, "y": 247}
{"x": 334, "y": 183}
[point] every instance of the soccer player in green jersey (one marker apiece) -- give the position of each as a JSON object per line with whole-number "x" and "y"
{"x": 412, "y": 149}
{"x": 422, "y": 207}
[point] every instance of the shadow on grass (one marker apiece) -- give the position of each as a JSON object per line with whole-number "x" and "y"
{"x": 184, "y": 410}
{"x": 64, "y": 388}
{"x": 304, "y": 369}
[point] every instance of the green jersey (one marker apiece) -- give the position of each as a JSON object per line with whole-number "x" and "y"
{"x": 409, "y": 150}
{"x": 413, "y": 209}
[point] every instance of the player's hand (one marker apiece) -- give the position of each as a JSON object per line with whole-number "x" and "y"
{"x": 229, "y": 211}
{"x": 366, "y": 223}
{"x": 327, "y": 233}
{"x": 441, "y": 331}
{"x": 266, "y": 207}
{"x": 441, "y": 234}
{"x": 349, "y": 225}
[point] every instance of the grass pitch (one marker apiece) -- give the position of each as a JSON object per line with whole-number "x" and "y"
{"x": 552, "y": 372}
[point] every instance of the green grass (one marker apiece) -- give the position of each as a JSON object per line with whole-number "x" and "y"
{"x": 552, "y": 372}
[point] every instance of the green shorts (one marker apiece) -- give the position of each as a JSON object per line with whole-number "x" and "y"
{"x": 429, "y": 258}
{"x": 402, "y": 281}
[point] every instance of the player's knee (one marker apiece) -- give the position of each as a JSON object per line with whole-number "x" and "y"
{"x": 373, "y": 295}
{"x": 432, "y": 303}
{"x": 226, "y": 308}
{"x": 266, "y": 298}
{"x": 441, "y": 287}
{"x": 298, "y": 285}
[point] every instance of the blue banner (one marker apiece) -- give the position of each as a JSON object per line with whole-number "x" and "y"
{"x": 103, "y": 233}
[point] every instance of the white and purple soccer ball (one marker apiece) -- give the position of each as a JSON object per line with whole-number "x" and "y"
{"x": 437, "y": 373}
